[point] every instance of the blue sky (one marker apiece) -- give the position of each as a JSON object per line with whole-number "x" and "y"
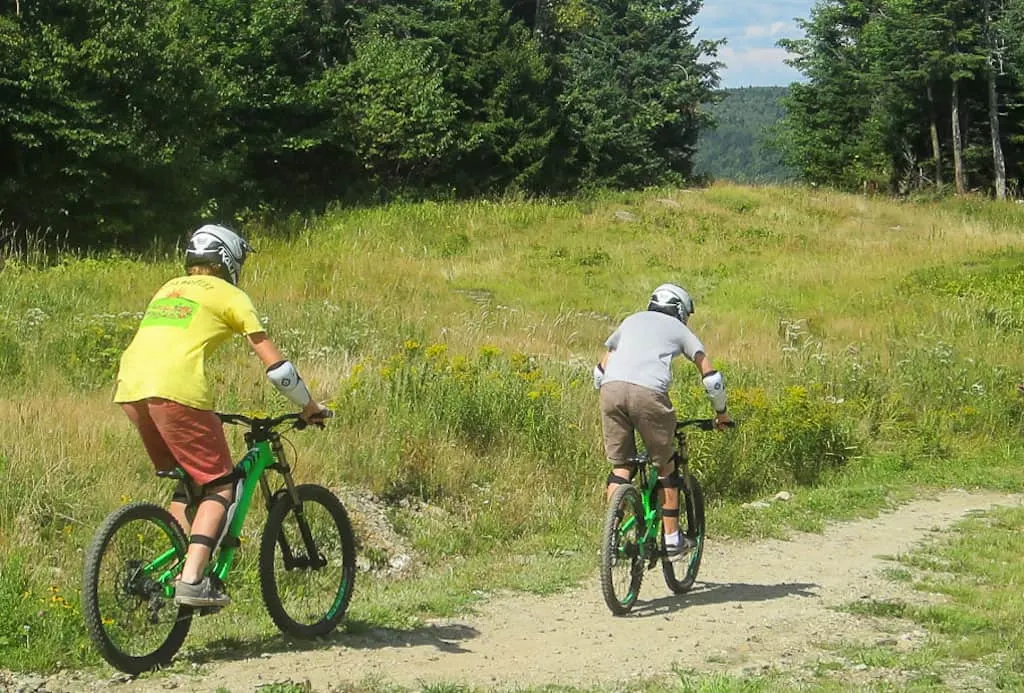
{"x": 752, "y": 27}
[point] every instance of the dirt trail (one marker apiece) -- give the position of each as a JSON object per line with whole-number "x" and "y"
{"x": 755, "y": 604}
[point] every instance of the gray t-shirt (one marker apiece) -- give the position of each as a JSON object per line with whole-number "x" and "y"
{"x": 643, "y": 348}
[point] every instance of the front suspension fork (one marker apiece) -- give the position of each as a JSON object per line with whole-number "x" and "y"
{"x": 313, "y": 559}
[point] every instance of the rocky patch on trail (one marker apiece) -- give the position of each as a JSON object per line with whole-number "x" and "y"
{"x": 382, "y": 551}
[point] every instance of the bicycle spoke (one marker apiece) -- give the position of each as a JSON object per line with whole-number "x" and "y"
{"x": 127, "y": 596}
{"x": 622, "y": 563}
{"x": 308, "y": 592}
{"x": 135, "y": 611}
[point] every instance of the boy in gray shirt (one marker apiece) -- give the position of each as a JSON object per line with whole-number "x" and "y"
{"x": 634, "y": 376}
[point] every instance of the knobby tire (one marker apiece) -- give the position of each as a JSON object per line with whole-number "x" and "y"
{"x": 693, "y": 527}
{"x": 621, "y": 554}
{"x": 118, "y": 551}
{"x": 334, "y": 542}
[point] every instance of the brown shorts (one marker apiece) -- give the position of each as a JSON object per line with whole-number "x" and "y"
{"x": 180, "y": 436}
{"x": 626, "y": 408}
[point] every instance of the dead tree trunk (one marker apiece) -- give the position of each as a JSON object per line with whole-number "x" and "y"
{"x": 934, "y": 128}
{"x": 958, "y": 142}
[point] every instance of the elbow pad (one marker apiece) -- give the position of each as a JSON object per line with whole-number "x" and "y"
{"x": 286, "y": 379}
{"x": 714, "y": 385}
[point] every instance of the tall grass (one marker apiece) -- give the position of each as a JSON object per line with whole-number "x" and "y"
{"x": 863, "y": 342}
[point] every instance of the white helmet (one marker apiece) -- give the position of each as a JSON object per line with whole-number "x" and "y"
{"x": 217, "y": 246}
{"x": 672, "y": 300}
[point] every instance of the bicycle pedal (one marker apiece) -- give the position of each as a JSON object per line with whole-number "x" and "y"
{"x": 208, "y": 610}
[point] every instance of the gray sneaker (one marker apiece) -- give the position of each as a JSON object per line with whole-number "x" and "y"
{"x": 205, "y": 593}
{"x": 678, "y": 552}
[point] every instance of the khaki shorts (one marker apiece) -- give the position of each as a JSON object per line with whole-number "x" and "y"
{"x": 626, "y": 408}
{"x": 176, "y": 435}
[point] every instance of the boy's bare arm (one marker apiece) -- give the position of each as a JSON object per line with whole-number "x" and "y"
{"x": 265, "y": 349}
{"x": 272, "y": 358}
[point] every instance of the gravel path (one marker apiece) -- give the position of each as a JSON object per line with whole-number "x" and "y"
{"x": 755, "y": 605}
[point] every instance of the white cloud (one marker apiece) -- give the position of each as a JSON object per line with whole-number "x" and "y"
{"x": 756, "y": 67}
{"x": 751, "y": 28}
{"x": 764, "y": 30}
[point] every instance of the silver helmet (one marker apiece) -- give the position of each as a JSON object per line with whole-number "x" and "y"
{"x": 217, "y": 246}
{"x": 672, "y": 300}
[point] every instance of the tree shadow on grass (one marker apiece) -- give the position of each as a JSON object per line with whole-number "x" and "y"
{"x": 708, "y": 593}
{"x": 353, "y": 635}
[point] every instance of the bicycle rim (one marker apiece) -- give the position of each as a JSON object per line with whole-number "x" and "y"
{"x": 622, "y": 564}
{"x": 127, "y": 608}
{"x": 680, "y": 576}
{"x": 307, "y": 593}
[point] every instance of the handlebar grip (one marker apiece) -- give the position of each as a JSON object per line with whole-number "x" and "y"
{"x": 300, "y": 424}
{"x": 703, "y": 424}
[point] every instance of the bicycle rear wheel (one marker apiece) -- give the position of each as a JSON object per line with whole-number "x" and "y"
{"x": 127, "y": 598}
{"x": 622, "y": 562}
{"x": 680, "y": 576}
{"x": 307, "y": 562}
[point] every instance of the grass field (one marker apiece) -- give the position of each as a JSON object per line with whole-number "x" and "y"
{"x": 870, "y": 347}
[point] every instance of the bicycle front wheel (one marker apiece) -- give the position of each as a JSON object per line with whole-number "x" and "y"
{"x": 622, "y": 561}
{"x": 680, "y": 576}
{"x": 127, "y": 588}
{"x": 307, "y": 562}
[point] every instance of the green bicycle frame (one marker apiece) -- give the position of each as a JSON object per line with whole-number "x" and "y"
{"x": 648, "y": 496}
{"x": 251, "y": 467}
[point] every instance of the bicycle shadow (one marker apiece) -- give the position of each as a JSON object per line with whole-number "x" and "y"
{"x": 355, "y": 635}
{"x": 710, "y": 593}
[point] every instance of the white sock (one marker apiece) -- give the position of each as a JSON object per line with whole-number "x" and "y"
{"x": 674, "y": 539}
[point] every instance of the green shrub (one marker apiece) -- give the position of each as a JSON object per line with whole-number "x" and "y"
{"x": 786, "y": 439}
{"x": 477, "y": 400}
{"x": 89, "y": 353}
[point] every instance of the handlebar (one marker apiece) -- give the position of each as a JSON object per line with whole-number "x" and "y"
{"x": 702, "y": 424}
{"x": 268, "y": 424}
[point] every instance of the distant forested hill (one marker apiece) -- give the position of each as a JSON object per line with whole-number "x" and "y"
{"x": 736, "y": 149}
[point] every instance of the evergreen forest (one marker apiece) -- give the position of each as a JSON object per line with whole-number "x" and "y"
{"x": 740, "y": 145}
{"x": 126, "y": 120}
{"x": 122, "y": 121}
{"x": 909, "y": 96}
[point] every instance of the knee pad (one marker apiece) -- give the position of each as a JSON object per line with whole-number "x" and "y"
{"x": 211, "y": 491}
{"x": 672, "y": 480}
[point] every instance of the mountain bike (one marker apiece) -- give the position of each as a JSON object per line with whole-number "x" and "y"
{"x": 633, "y": 539}
{"x": 306, "y": 561}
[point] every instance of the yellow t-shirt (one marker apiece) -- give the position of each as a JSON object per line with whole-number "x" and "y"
{"x": 184, "y": 323}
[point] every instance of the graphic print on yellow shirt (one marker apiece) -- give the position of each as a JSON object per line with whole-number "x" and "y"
{"x": 187, "y": 320}
{"x": 170, "y": 312}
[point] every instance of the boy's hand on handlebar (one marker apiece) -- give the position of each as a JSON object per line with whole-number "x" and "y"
{"x": 316, "y": 413}
{"x": 723, "y": 421}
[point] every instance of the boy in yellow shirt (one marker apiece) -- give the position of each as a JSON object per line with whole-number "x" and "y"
{"x": 162, "y": 387}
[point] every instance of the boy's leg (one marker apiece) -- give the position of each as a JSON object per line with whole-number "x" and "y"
{"x": 206, "y": 529}
{"x": 656, "y": 423}
{"x": 160, "y": 455}
{"x": 619, "y": 440}
{"x": 196, "y": 438}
